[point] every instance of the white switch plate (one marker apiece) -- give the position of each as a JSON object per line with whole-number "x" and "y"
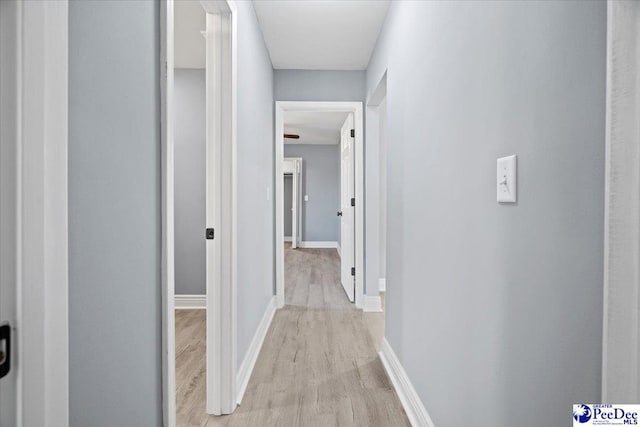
{"x": 506, "y": 184}
{"x": 306, "y": 197}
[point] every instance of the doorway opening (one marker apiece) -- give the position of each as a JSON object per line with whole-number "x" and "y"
{"x": 190, "y": 206}
{"x": 342, "y": 212}
{"x": 292, "y": 169}
{"x": 210, "y": 43}
{"x": 376, "y": 210}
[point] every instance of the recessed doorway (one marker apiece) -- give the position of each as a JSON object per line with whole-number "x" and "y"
{"x": 346, "y": 212}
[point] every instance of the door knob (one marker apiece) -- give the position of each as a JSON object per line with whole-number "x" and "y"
{"x": 339, "y": 213}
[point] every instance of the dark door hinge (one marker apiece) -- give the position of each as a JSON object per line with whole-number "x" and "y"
{"x": 210, "y": 234}
{"x": 353, "y": 271}
{"x": 353, "y": 201}
{"x": 353, "y": 133}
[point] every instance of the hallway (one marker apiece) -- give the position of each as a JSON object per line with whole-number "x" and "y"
{"x": 318, "y": 366}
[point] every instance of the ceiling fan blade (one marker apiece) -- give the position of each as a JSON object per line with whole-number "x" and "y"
{"x": 291, "y": 136}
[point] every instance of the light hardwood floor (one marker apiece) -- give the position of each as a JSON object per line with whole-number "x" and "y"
{"x": 318, "y": 366}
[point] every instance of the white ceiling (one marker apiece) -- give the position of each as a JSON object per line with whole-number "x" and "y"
{"x": 189, "y": 44}
{"x": 321, "y": 35}
{"x": 313, "y": 128}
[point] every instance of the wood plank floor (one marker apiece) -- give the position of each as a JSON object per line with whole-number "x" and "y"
{"x": 318, "y": 366}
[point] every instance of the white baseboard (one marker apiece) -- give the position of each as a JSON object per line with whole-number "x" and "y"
{"x": 339, "y": 250}
{"x": 288, "y": 238}
{"x": 372, "y": 304}
{"x": 319, "y": 245}
{"x": 190, "y": 301}
{"x": 408, "y": 396}
{"x": 249, "y": 361}
{"x": 382, "y": 285}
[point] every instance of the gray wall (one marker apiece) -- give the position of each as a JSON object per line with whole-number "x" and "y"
{"x": 302, "y": 85}
{"x": 288, "y": 204}
{"x": 190, "y": 179}
{"x": 321, "y": 182}
{"x": 510, "y": 295}
{"x": 255, "y": 174}
{"x": 114, "y": 214}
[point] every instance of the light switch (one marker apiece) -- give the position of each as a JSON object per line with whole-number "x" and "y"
{"x": 306, "y": 197}
{"x": 506, "y": 179}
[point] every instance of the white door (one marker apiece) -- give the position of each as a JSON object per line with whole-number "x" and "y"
{"x": 219, "y": 219}
{"x": 347, "y": 210}
{"x": 8, "y": 213}
{"x": 296, "y": 191}
{"x": 294, "y": 210}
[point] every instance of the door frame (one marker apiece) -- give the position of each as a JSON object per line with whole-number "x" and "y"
{"x": 296, "y": 190}
{"x": 221, "y": 311}
{"x": 376, "y": 190}
{"x": 621, "y": 323}
{"x": 320, "y": 106}
{"x": 42, "y": 282}
{"x": 168, "y": 243}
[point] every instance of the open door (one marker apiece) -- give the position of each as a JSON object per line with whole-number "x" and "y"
{"x": 294, "y": 208}
{"x": 8, "y": 212}
{"x": 296, "y": 226}
{"x": 347, "y": 207}
{"x": 293, "y": 167}
{"x": 219, "y": 213}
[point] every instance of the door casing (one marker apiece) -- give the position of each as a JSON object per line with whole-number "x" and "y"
{"x": 38, "y": 112}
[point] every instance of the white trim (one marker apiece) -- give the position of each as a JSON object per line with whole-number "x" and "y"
{"x": 168, "y": 257}
{"x": 42, "y": 319}
{"x": 249, "y": 361}
{"x": 319, "y": 245}
{"x": 621, "y": 321}
{"x": 605, "y": 295}
{"x": 190, "y": 302}
{"x": 382, "y": 284}
{"x": 288, "y": 238}
{"x": 407, "y": 394}
{"x": 339, "y": 249}
{"x": 350, "y": 107}
{"x": 372, "y": 304}
{"x": 279, "y": 243}
{"x": 360, "y": 205}
{"x": 234, "y": 185}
